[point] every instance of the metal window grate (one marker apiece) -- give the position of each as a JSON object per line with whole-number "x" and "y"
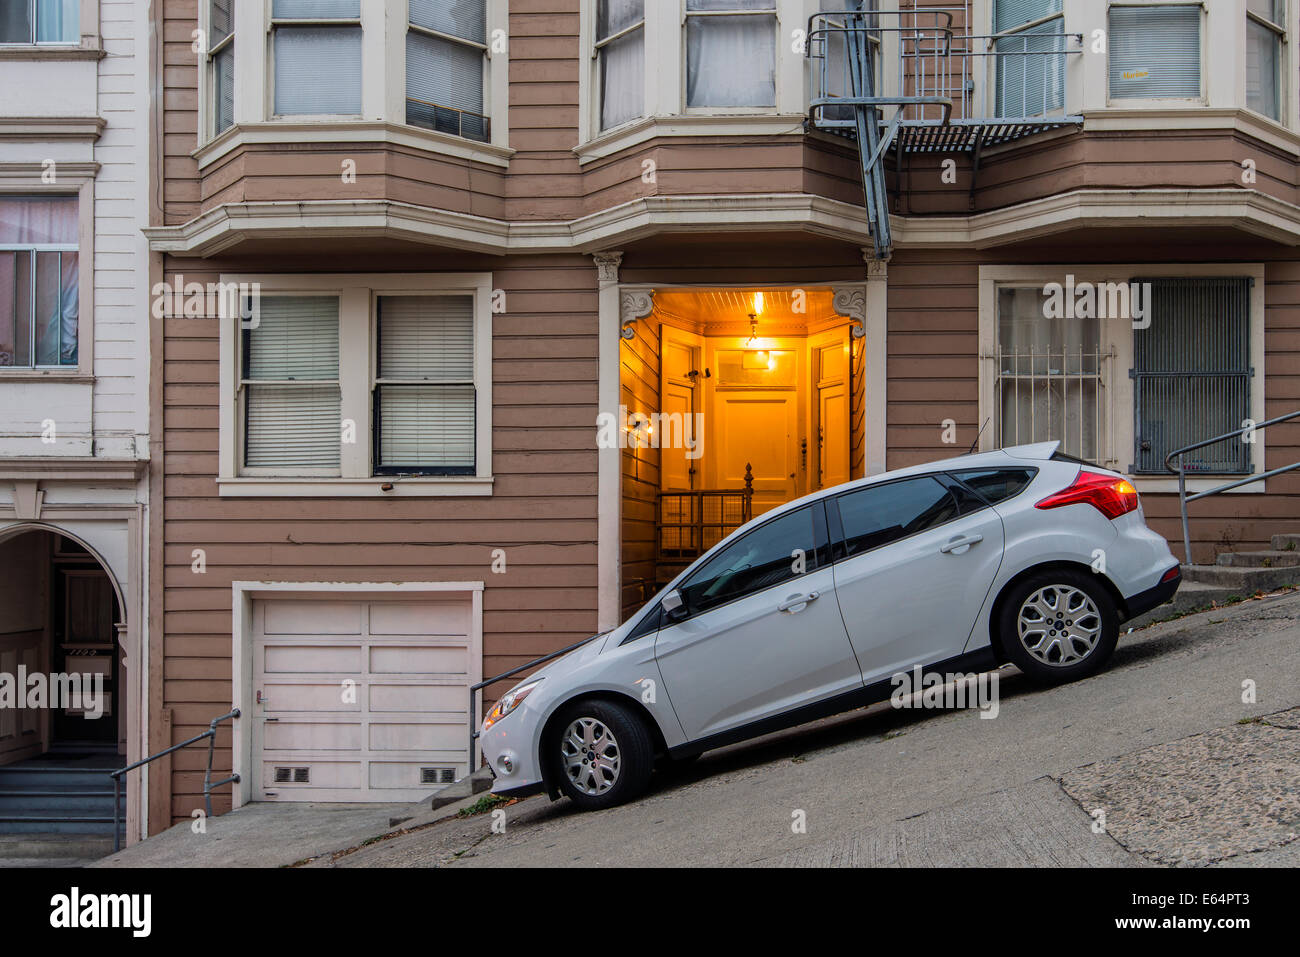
{"x": 437, "y": 775}
{"x": 1045, "y": 395}
{"x": 1191, "y": 374}
{"x": 292, "y": 775}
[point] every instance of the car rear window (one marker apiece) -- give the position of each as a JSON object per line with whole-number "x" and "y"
{"x": 997, "y": 485}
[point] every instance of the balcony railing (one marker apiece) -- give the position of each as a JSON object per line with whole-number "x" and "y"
{"x": 448, "y": 119}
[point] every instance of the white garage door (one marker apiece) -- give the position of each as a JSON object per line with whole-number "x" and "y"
{"x": 361, "y": 700}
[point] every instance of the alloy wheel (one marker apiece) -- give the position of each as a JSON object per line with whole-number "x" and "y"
{"x": 1059, "y": 625}
{"x": 591, "y": 756}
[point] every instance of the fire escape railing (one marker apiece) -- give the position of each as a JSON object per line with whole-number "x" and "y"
{"x": 937, "y": 103}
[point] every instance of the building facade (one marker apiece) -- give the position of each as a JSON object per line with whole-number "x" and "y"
{"x": 473, "y": 320}
{"x": 74, "y": 425}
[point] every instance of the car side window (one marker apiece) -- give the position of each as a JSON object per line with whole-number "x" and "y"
{"x": 997, "y": 485}
{"x": 880, "y": 514}
{"x": 775, "y": 552}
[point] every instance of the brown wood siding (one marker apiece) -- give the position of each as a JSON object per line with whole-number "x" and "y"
{"x": 542, "y": 510}
{"x": 934, "y": 375}
{"x": 639, "y": 393}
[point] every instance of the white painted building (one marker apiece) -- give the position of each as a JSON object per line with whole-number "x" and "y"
{"x": 74, "y": 364}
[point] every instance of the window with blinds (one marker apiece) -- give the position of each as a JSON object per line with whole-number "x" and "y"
{"x": 446, "y": 51}
{"x": 221, "y": 64}
{"x": 1155, "y": 51}
{"x": 424, "y": 397}
{"x": 620, "y": 55}
{"x": 1191, "y": 373}
{"x": 1030, "y": 81}
{"x": 317, "y": 49}
{"x": 1265, "y": 54}
{"x": 290, "y": 385}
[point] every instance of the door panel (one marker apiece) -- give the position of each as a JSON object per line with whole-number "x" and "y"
{"x": 914, "y": 599}
{"x": 680, "y": 400}
{"x": 758, "y": 429}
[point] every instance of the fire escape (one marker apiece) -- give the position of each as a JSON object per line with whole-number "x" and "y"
{"x": 946, "y": 90}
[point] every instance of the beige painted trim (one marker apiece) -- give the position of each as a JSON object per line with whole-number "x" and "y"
{"x": 1118, "y": 336}
{"x": 40, "y": 128}
{"x": 230, "y": 224}
{"x": 362, "y": 132}
{"x": 609, "y": 470}
{"x": 357, "y": 293}
{"x": 1243, "y": 121}
{"x": 67, "y": 468}
{"x": 242, "y": 698}
{"x": 659, "y": 127}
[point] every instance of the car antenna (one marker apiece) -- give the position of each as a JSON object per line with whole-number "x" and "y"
{"x": 971, "y": 450}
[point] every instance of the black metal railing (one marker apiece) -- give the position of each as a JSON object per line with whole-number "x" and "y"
{"x": 208, "y": 783}
{"x": 1181, "y": 471}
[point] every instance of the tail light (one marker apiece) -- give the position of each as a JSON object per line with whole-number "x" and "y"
{"x": 1109, "y": 495}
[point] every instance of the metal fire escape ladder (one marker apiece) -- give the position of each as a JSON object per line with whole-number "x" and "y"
{"x": 932, "y": 90}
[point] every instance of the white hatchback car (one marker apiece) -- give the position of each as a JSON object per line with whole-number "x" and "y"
{"x": 1023, "y": 555}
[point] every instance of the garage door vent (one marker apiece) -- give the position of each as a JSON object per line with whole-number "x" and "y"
{"x": 437, "y": 775}
{"x": 293, "y": 775}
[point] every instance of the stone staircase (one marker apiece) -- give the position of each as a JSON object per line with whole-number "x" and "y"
{"x": 1234, "y": 575}
{"x": 59, "y": 805}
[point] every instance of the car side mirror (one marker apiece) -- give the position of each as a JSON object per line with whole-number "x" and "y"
{"x": 673, "y": 605}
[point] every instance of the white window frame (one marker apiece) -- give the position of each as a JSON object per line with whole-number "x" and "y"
{"x": 87, "y": 28}
{"x": 665, "y": 112}
{"x": 207, "y": 104}
{"x": 1285, "y": 65}
{"x": 774, "y": 11}
{"x": 1167, "y": 102}
{"x": 339, "y": 23}
{"x": 486, "y": 79}
{"x": 990, "y": 80}
{"x": 383, "y": 91}
{"x": 79, "y": 181}
{"x": 358, "y": 294}
{"x": 1117, "y": 337}
{"x": 597, "y": 45}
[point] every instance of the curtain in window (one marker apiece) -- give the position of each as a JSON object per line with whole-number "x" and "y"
{"x": 425, "y": 401}
{"x": 731, "y": 60}
{"x": 38, "y": 219}
{"x": 317, "y": 70}
{"x": 56, "y": 20}
{"x": 1048, "y": 376}
{"x": 291, "y": 368}
{"x": 1155, "y": 51}
{"x": 47, "y": 300}
{"x": 622, "y": 61}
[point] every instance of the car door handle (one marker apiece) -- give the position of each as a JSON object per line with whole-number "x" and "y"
{"x": 798, "y": 601}
{"x": 962, "y": 542}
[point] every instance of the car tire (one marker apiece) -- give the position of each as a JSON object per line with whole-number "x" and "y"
{"x": 600, "y": 753}
{"x": 1059, "y": 625}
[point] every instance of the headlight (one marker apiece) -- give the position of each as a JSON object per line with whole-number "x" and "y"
{"x": 511, "y": 700}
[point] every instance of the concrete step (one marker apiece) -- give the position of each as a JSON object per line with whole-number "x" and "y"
{"x": 1190, "y": 597}
{"x": 1287, "y": 542}
{"x": 1243, "y": 581}
{"x": 1268, "y": 558}
{"x": 20, "y": 776}
{"x": 55, "y": 802}
{"x": 35, "y": 822}
{"x": 54, "y": 848}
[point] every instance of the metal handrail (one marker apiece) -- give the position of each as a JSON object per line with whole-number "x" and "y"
{"x": 208, "y": 783}
{"x": 1181, "y": 471}
{"x": 475, "y": 689}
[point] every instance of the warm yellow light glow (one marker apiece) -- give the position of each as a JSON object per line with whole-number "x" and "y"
{"x": 758, "y": 303}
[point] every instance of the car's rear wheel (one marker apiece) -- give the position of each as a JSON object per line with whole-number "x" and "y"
{"x": 1059, "y": 625}
{"x": 601, "y": 754}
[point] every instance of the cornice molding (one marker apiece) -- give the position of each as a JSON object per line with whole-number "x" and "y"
{"x": 69, "y": 468}
{"x": 232, "y": 223}
{"x": 51, "y": 127}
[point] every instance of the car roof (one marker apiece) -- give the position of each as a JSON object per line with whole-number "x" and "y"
{"x": 998, "y": 458}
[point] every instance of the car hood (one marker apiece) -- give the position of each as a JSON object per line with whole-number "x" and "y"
{"x": 568, "y": 663}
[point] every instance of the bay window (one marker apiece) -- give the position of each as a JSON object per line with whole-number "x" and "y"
{"x": 620, "y": 54}
{"x": 316, "y": 45}
{"x": 1029, "y": 82}
{"x": 731, "y": 53}
{"x": 40, "y": 21}
{"x": 1265, "y": 55}
{"x": 446, "y": 47}
{"x": 1155, "y": 51}
{"x": 221, "y": 64}
{"x": 39, "y": 276}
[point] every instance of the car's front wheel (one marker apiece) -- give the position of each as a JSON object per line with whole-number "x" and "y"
{"x": 601, "y": 754}
{"x": 1059, "y": 625}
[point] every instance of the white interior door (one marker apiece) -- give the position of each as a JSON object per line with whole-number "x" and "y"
{"x": 831, "y": 426}
{"x": 362, "y": 700}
